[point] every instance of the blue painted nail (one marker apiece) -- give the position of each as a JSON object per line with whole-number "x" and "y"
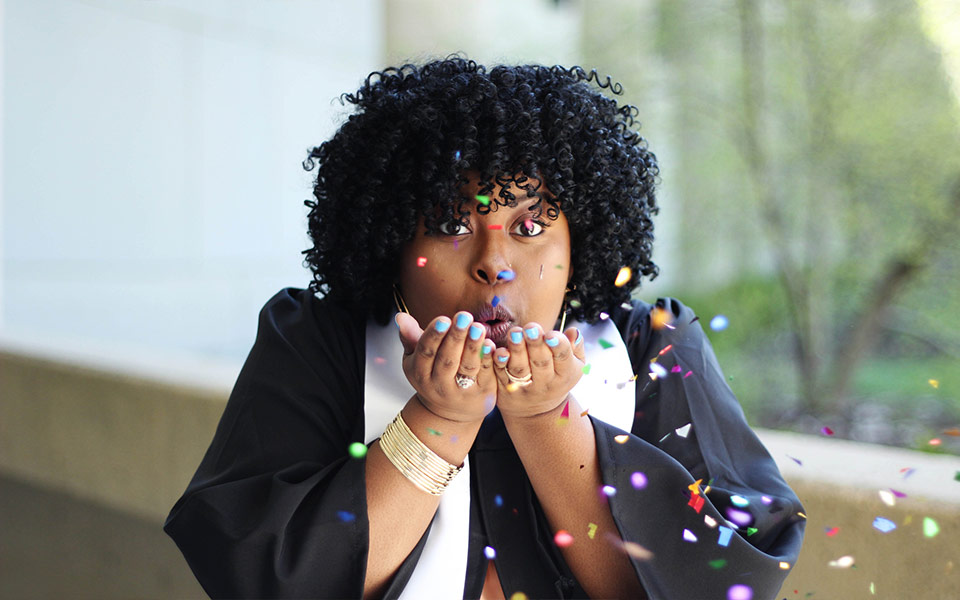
{"x": 551, "y": 341}
{"x": 516, "y": 337}
{"x": 476, "y": 331}
{"x": 533, "y": 333}
{"x": 579, "y": 338}
{"x": 463, "y": 319}
{"x": 501, "y": 358}
{"x": 442, "y": 326}
{"x": 487, "y": 349}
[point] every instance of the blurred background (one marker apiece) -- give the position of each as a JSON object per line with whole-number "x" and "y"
{"x": 152, "y": 201}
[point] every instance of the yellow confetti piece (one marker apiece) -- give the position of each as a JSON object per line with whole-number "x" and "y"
{"x": 591, "y": 530}
{"x": 935, "y": 384}
{"x": 623, "y": 277}
{"x": 518, "y": 596}
{"x": 785, "y": 565}
{"x": 660, "y": 318}
{"x": 873, "y": 590}
{"x": 695, "y": 486}
{"x": 621, "y": 439}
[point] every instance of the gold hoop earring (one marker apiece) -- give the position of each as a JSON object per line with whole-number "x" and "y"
{"x": 565, "y": 309}
{"x": 398, "y": 300}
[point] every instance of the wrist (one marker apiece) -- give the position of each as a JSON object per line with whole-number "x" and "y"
{"x": 546, "y": 417}
{"x": 450, "y": 439}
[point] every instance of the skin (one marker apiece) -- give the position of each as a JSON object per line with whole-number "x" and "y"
{"x": 458, "y": 279}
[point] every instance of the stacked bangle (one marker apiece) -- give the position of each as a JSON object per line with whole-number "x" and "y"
{"x": 418, "y": 463}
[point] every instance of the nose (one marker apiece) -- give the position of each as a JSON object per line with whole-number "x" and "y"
{"x": 491, "y": 265}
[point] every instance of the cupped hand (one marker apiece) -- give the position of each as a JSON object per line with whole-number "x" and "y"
{"x": 433, "y": 358}
{"x": 554, "y": 361}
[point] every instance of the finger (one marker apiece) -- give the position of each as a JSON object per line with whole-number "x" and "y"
{"x": 451, "y": 348}
{"x": 576, "y": 341}
{"x": 562, "y": 351}
{"x": 470, "y": 359}
{"x": 538, "y": 353}
{"x": 519, "y": 364}
{"x": 410, "y": 332}
{"x": 486, "y": 378}
{"x": 420, "y": 363}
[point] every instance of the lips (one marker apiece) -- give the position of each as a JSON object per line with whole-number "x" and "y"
{"x": 497, "y": 320}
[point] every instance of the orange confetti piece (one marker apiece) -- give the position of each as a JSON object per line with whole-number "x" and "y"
{"x": 954, "y": 431}
{"x": 621, "y": 439}
{"x": 660, "y": 318}
{"x": 623, "y": 277}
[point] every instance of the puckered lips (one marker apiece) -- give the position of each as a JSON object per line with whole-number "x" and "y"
{"x": 497, "y": 320}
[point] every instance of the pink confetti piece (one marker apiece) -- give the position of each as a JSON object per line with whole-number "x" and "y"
{"x": 638, "y": 480}
{"x": 495, "y": 227}
{"x": 563, "y": 538}
{"x": 826, "y": 431}
{"x": 898, "y": 493}
{"x": 832, "y": 531}
{"x": 421, "y": 261}
{"x": 687, "y": 374}
{"x": 740, "y": 592}
{"x": 676, "y": 369}
{"x": 379, "y": 360}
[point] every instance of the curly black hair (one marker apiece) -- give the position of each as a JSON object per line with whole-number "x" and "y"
{"x": 416, "y": 132}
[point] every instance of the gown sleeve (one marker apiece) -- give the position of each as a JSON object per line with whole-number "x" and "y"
{"x": 277, "y": 507}
{"x": 743, "y": 526}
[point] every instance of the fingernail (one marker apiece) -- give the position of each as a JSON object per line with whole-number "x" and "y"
{"x": 551, "y": 341}
{"x": 487, "y": 349}
{"x": 501, "y": 358}
{"x": 396, "y": 322}
{"x": 463, "y": 319}
{"x": 579, "y": 338}
{"x": 442, "y": 326}
{"x": 516, "y": 337}
{"x": 476, "y": 331}
{"x": 533, "y": 333}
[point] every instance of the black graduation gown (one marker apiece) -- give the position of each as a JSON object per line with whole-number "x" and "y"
{"x": 277, "y": 507}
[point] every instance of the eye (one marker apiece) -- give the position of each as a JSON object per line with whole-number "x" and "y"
{"x": 453, "y": 228}
{"x": 529, "y": 228}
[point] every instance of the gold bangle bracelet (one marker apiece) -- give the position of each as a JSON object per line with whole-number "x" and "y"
{"x": 418, "y": 463}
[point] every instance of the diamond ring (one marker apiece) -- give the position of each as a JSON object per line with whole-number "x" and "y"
{"x": 463, "y": 381}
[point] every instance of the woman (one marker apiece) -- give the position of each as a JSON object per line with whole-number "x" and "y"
{"x": 532, "y": 431}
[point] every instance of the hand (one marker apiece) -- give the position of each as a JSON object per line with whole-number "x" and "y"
{"x": 555, "y": 362}
{"x": 432, "y": 359}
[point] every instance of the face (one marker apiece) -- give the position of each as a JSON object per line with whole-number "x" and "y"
{"x": 467, "y": 267}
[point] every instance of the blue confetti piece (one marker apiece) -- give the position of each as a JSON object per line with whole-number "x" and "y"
{"x": 884, "y": 525}
{"x": 719, "y": 323}
{"x": 495, "y": 301}
{"x": 725, "y": 534}
{"x": 506, "y": 275}
{"x": 456, "y": 155}
{"x": 345, "y": 516}
{"x": 498, "y": 500}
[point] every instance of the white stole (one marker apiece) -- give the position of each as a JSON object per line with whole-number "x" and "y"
{"x": 608, "y": 391}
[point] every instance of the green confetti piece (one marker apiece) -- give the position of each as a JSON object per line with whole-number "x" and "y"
{"x": 586, "y": 369}
{"x": 718, "y": 563}
{"x": 873, "y": 590}
{"x": 357, "y": 450}
{"x": 484, "y": 200}
{"x": 575, "y": 303}
{"x": 559, "y": 266}
{"x": 433, "y": 431}
{"x": 751, "y": 531}
{"x": 956, "y": 476}
{"x": 930, "y": 527}
{"x": 604, "y": 343}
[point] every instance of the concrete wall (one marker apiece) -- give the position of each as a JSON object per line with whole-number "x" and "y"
{"x": 92, "y": 458}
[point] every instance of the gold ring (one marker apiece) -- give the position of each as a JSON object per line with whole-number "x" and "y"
{"x": 520, "y": 381}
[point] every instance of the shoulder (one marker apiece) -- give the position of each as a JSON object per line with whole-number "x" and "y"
{"x": 666, "y": 321}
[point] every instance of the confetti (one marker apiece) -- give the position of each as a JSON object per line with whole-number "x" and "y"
{"x": 907, "y": 471}
{"x": 766, "y": 500}
{"x": 832, "y": 531}
{"x": 930, "y": 527}
{"x": 495, "y": 301}
{"x": 575, "y": 303}
{"x": 604, "y": 343}
{"x": 518, "y": 596}
{"x": 751, "y": 531}
{"x": 935, "y": 384}
{"x": 934, "y": 442}
{"x": 498, "y": 500}
{"x": 884, "y": 525}
{"x": 956, "y": 476}
{"x": 710, "y": 521}
{"x": 740, "y": 592}
{"x": 506, "y": 275}
{"x": 719, "y": 323}
{"x": 657, "y": 370}
{"x": 490, "y": 553}
{"x": 739, "y": 500}
{"x": 563, "y": 538}
{"x": 528, "y": 224}
{"x": 796, "y": 460}
{"x": 635, "y": 550}
{"x": 718, "y": 563}
{"x": 621, "y": 439}
{"x": 689, "y": 536}
{"x": 609, "y": 490}
{"x": 687, "y": 374}
{"x": 676, "y": 369}
{"x": 784, "y": 565}
{"x": 953, "y": 431}
{"x": 725, "y": 534}
{"x": 639, "y": 481}
{"x": 623, "y": 277}
{"x": 696, "y": 503}
{"x": 604, "y": 316}
{"x": 898, "y": 493}
{"x": 584, "y": 413}
{"x": 660, "y": 318}
{"x": 873, "y": 590}
{"x": 541, "y": 271}
{"x": 591, "y": 530}
{"x": 495, "y": 227}
{"x": 740, "y": 517}
{"x": 887, "y": 497}
{"x": 346, "y": 516}
{"x": 683, "y": 431}
{"x": 586, "y": 369}
{"x": 421, "y": 261}
{"x": 380, "y": 360}
{"x": 565, "y": 413}
{"x": 844, "y": 562}
{"x": 826, "y": 431}
{"x": 666, "y": 349}
{"x": 484, "y": 200}
{"x": 695, "y": 486}
{"x": 357, "y": 450}
{"x": 433, "y": 431}
{"x": 456, "y": 155}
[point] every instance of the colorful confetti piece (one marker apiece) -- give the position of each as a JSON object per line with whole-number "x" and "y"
{"x": 484, "y": 200}
{"x": 421, "y": 261}
{"x": 717, "y": 563}
{"x": 346, "y": 516}
{"x": 935, "y": 384}
{"x": 656, "y": 371}
{"x": 357, "y": 450}
{"x": 518, "y": 596}
{"x": 696, "y": 503}
{"x": 719, "y": 323}
{"x": 591, "y": 530}
{"x": 608, "y": 491}
{"x": 796, "y": 460}
{"x": 751, "y": 531}
{"x": 563, "y": 538}
{"x": 784, "y": 566}
{"x": 621, "y": 439}
{"x": 826, "y": 431}
{"x": 636, "y": 550}
{"x": 832, "y": 531}
{"x": 638, "y": 480}
{"x": 604, "y": 343}
{"x": 496, "y": 227}
{"x": 506, "y": 275}
{"x": 660, "y": 318}
{"x": 740, "y": 592}
{"x": 884, "y": 525}
{"x": 495, "y": 301}
{"x": 725, "y": 534}
{"x": 683, "y": 431}
{"x": 498, "y": 500}
{"x": 887, "y": 498}
{"x": 740, "y": 517}
{"x": 739, "y": 500}
{"x": 689, "y": 536}
{"x": 710, "y": 521}
{"x": 844, "y": 562}
{"x": 586, "y": 369}
{"x": 623, "y": 277}
{"x": 433, "y": 431}
{"x": 956, "y": 476}
{"x": 930, "y": 527}
{"x": 935, "y": 442}
{"x": 490, "y": 553}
